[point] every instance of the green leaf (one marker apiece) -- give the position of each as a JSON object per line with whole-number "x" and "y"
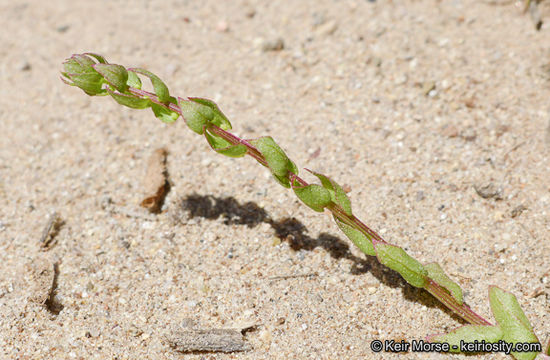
{"x": 436, "y": 273}
{"x": 469, "y": 334}
{"x": 363, "y": 242}
{"x": 133, "y": 80}
{"x": 397, "y": 259}
{"x": 114, "y": 74}
{"x": 276, "y": 159}
{"x": 512, "y": 320}
{"x": 211, "y": 111}
{"x": 200, "y": 113}
{"x": 163, "y": 114}
{"x": 98, "y": 57}
{"x": 338, "y": 195}
{"x": 130, "y": 101}
{"x": 160, "y": 88}
{"x": 224, "y": 147}
{"x": 314, "y": 196}
{"x": 194, "y": 119}
{"x": 90, "y": 83}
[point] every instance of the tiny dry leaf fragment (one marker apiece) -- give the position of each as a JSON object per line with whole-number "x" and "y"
{"x": 155, "y": 183}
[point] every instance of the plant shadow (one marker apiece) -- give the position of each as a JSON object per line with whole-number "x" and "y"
{"x": 295, "y": 234}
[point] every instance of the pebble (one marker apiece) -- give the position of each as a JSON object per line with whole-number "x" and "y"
{"x": 449, "y": 131}
{"x": 265, "y": 336}
{"x": 489, "y": 191}
{"x": 222, "y": 26}
{"x": 427, "y": 87}
{"x": 273, "y": 45}
{"x": 25, "y": 66}
{"x": 327, "y": 28}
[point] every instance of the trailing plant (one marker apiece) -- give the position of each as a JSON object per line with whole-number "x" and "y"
{"x": 95, "y": 76}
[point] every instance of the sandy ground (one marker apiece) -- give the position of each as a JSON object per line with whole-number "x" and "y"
{"x": 411, "y": 104}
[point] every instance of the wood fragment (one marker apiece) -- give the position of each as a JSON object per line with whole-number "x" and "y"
{"x": 50, "y": 231}
{"x": 207, "y": 340}
{"x": 155, "y": 184}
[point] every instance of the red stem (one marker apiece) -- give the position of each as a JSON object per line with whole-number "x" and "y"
{"x": 440, "y": 293}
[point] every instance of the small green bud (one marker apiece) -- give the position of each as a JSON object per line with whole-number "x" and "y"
{"x": 79, "y": 72}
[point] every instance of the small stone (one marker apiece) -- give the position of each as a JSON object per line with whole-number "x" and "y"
{"x": 273, "y": 45}
{"x": 449, "y": 131}
{"x": 427, "y": 87}
{"x": 25, "y": 66}
{"x": 327, "y": 28}
{"x": 222, "y": 26}
{"x": 265, "y": 336}
{"x": 468, "y": 134}
{"x": 420, "y": 195}
{"x": 281, "y": 321}
{"x": 63, "y": 28}
{"x": 489, "y": 191}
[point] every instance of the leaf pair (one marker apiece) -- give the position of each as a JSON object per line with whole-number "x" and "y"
{"x": 199, "y": 114}
{"x": 512, "y": 327}
{"x": 277, "y": 161}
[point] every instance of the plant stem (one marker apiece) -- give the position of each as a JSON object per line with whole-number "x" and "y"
{"x": 440, "y": 293}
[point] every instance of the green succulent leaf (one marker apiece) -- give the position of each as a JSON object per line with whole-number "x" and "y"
{"x": 224, "y": 147}
{"x": 130, "y": 101}
{"x": 200, "y": 113}
{"x": 115, "y": 75}
{"x": 436, "y": 273}
{"x": 469, "y": 334}
{"x": 276, "y": 159}
{"x": 163, "y": 114}
{"x": 512, "y": 320}
{"x": 133, "y": 80}
{"x": 337, "y": 194}
{"x": 160, "y": 88}
{"x": 314, "y": 196}
{"x": 212, "y": 112}
{"x": 91, "y": 84}
{"x": 397, "y": 259}
{"x": 357, "y": 237}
